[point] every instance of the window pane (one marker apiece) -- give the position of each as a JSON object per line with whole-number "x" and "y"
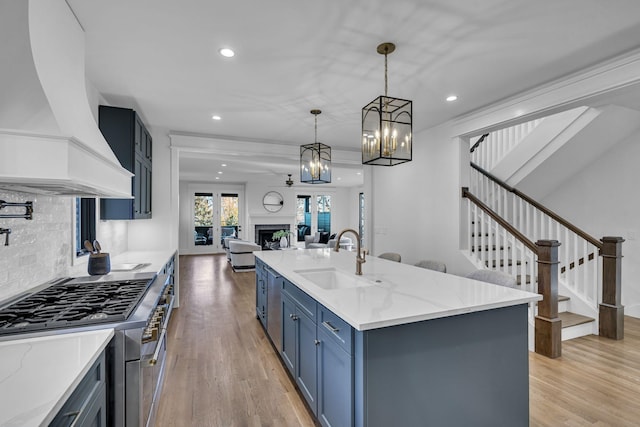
{"x": 203, "y": 219}
{"x": 85, "y": 223}
{"x": 228, "y": 216}
{"x": 303, "y": 216}
{"x": 361, "y": 218}
{"x": 324, "y": 213}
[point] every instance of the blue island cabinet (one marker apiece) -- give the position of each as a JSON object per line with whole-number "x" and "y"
{"x": 469, "y": 369}
{"x": 261, "y": 292}
{"x": 313, "y": 351}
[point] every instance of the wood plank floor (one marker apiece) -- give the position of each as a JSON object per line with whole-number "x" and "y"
{"x": 222, "y": 371}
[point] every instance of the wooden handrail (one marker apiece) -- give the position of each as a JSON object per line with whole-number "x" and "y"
{"x": 497, "y": 218}
{"x": 586, "y": 236}
{"x": 478, "y": 142}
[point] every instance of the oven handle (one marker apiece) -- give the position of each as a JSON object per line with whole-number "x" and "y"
{"x": 156, "y": 354}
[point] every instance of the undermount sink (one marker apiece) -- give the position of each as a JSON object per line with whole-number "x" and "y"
{"x": 330, "y": 278}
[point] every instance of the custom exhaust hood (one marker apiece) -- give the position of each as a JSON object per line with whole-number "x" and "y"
{"x": 49, "y": 140}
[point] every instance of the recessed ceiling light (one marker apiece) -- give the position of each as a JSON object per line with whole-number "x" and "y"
{"x": 226, "y": 52}
{"x": 451, "y": 98}
{"x": 219, "y": 172}
{"x": 217, "y": 177}
{"x": 216, "y": 117}
{"x": 339, "y": 178}
{"x": 224, "y": 165}
{"x": 358, "y": 173}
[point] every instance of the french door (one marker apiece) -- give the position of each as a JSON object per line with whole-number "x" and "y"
{"x": 216, "y": 215}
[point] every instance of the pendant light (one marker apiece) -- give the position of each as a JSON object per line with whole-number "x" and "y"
{"x": 315, "y": 159}
{"x": 387, "y": 125}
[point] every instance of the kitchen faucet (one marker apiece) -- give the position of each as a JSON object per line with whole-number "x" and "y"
{"x": 360, "y": 258}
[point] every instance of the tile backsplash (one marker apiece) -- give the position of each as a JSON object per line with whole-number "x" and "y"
{"x": 41, "y": 249}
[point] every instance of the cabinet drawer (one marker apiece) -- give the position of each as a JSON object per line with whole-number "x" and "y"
{"x": 301, "y": 298}
{"x": 336, "y": 328}
{"x": 83, "y": 397}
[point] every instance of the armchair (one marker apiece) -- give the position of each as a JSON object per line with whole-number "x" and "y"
{"x": 241, "y": 254}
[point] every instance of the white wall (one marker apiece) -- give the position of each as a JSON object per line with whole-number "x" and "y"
{"x": 602, "y": 200}
{"x": 416, "y": 205}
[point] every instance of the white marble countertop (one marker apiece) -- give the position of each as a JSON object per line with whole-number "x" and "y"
{"x": 153, "y": 260}
{"x": 389, "y": 293}
{"x": 38, "y": 375}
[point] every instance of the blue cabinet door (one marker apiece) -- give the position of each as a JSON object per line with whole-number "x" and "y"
{"x": 335, "y": 383}
{"x": 307, "y": 361}
{"x": 289, "y": 333}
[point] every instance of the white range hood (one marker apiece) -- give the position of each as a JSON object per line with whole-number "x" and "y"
{"x": 49, "y": 140}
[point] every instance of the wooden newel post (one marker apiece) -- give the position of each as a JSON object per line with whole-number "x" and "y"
{"x": 611, "y": 318}
{"x": 548, "y": 337}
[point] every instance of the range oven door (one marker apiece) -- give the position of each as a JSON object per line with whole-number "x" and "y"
{"x": 142, "y": 395}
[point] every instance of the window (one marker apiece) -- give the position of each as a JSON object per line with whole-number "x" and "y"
{"x": 324, "y": 213}
{"x": 203, "y": 218}
{"x": 229, "y": 213}
{"x": 85, "y": 223}
{"x": 303, "y": 217}
{"x": 361, "y": 217}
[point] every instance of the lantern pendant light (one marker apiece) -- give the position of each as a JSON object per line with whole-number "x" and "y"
{"x": 387, "y": 125}
{"x": 315, "y": 159}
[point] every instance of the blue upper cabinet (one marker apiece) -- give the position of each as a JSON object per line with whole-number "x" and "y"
{"x": 132, "y": 144}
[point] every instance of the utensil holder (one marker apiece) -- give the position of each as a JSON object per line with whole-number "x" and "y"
{"x": 99, "y": 264}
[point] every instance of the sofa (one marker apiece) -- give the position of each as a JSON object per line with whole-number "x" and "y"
{"x": 241, "y": 254}
{"x": 317, "y": 242}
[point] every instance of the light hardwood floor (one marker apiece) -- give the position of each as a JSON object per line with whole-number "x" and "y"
{"x": 222, "y": 370}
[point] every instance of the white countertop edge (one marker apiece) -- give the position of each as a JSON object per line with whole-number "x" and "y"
{"x": 439, "y": 315}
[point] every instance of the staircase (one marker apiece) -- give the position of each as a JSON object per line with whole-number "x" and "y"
{"x": 510, "y": 232}
{"x": 499, "y": 257}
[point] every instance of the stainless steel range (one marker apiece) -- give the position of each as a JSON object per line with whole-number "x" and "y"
{"x": 138, "y": 306}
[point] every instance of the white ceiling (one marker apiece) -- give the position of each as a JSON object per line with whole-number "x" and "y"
{"x": 161, "y": 58}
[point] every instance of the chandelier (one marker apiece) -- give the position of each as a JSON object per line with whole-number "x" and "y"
{"x": 315, "y": 159}
{"x": 386, "y": 125}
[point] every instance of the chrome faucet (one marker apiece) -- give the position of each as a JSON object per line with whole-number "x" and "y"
{"x": 360, "y": 255}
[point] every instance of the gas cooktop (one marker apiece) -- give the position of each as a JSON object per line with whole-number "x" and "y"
{"x": 73, "y": 303}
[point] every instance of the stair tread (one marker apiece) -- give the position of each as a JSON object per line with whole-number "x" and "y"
{"x": 560, "y": 298}
{"x": 572, "y": 319}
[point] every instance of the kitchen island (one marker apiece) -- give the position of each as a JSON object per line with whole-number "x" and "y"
{"x": 398, "y": 345}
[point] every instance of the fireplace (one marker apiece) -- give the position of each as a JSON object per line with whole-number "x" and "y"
{"x": 264, "y": 233}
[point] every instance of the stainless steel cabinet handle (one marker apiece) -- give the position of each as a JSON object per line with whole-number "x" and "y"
{"x": 73, "y": 414}
{"x": 154, "y": 359}
{"x": 330, "y": 327}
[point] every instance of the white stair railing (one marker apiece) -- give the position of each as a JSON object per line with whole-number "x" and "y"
{"x": 497, "y": 144}
{"x": 491, "y": 246}
{"x": 580, "y": 269}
